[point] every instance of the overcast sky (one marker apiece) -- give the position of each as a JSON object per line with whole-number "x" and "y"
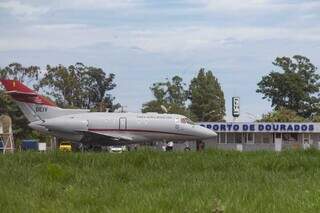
{"x": 145, "y": 41}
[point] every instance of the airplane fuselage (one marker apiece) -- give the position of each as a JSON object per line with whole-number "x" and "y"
{"x": 135, "y": 127}
{"x": 100, "y": 127}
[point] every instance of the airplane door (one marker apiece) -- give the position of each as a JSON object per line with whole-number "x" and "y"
{"x": 122, "y": 123}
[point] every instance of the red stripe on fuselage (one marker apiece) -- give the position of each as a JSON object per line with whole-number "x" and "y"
{"x": 138, "y": 130}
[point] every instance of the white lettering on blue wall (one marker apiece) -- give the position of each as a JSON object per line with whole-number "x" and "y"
{"x": 261, "y": 127}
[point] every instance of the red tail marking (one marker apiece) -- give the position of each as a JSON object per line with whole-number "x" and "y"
{"x": 13, "y": 85}
{"x": 22, "y": 93}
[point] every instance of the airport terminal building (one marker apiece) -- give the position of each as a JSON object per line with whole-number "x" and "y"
{"x": 248, "y": 136}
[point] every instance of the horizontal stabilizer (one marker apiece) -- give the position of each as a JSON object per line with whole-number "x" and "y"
{"x": 22, "y": 93}
{"x": 17, "y": 93}
{"x": 34, "y": 106}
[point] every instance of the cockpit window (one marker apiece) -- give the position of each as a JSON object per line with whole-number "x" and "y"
{"x": 186, "y": 121}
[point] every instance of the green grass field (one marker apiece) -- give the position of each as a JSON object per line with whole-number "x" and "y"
{"x": 146, "y": 181}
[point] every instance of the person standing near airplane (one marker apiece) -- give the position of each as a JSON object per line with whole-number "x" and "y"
{"x": 169, "y": 146}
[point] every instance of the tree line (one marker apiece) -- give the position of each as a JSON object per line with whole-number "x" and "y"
{"x": 292, "y": 89}
{"x": 74, "y": 86}
{"x": 201, "y": 100}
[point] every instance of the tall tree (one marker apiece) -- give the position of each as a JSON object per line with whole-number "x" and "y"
{"x": 282, "y": 115}
{"x": 79, "y": 86}
{"x": 7, "y": 106}
{"x": 16, "y": 71}
{"x": 64, "y": 84}
{"x": 295, "y": 86}
{"x": 159, "y": 92}
{"x": 97, "y": 84}
{"x": 207, "y": 98}
{"x": 172, "y": 94}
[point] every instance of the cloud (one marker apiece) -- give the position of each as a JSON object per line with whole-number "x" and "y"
{"x": 148, "y": 40}
{"x": 61, "y": 36}
{"x": 234, "y": 5}
{"x": 92, "y": 4}
{"x": 23, "y": 11}
{"x": 33, "y": 9}
{"x": 256, "y": 5}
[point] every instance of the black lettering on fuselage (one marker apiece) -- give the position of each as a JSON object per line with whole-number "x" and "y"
{"x": 41, "y": 109}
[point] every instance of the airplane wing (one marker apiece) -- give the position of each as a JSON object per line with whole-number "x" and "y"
{"x": 29, "y": 97}
{"x": 105, "y": 137}
{"x": 115, "y": 135}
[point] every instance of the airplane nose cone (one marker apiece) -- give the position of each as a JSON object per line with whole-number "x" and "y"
{"x": 206, "y": 133}
{"x": 211, "y": 133}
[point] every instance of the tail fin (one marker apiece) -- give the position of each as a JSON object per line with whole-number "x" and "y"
{"x": 34, "y": 106}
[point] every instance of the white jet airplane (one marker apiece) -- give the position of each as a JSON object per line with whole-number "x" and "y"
{"x": 94, "y": 128}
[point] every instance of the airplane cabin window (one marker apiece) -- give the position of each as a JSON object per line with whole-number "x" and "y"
{"x": 186, "y": 121}
{"x": 190, "y": 121}
{"x": 183, "y": 120}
